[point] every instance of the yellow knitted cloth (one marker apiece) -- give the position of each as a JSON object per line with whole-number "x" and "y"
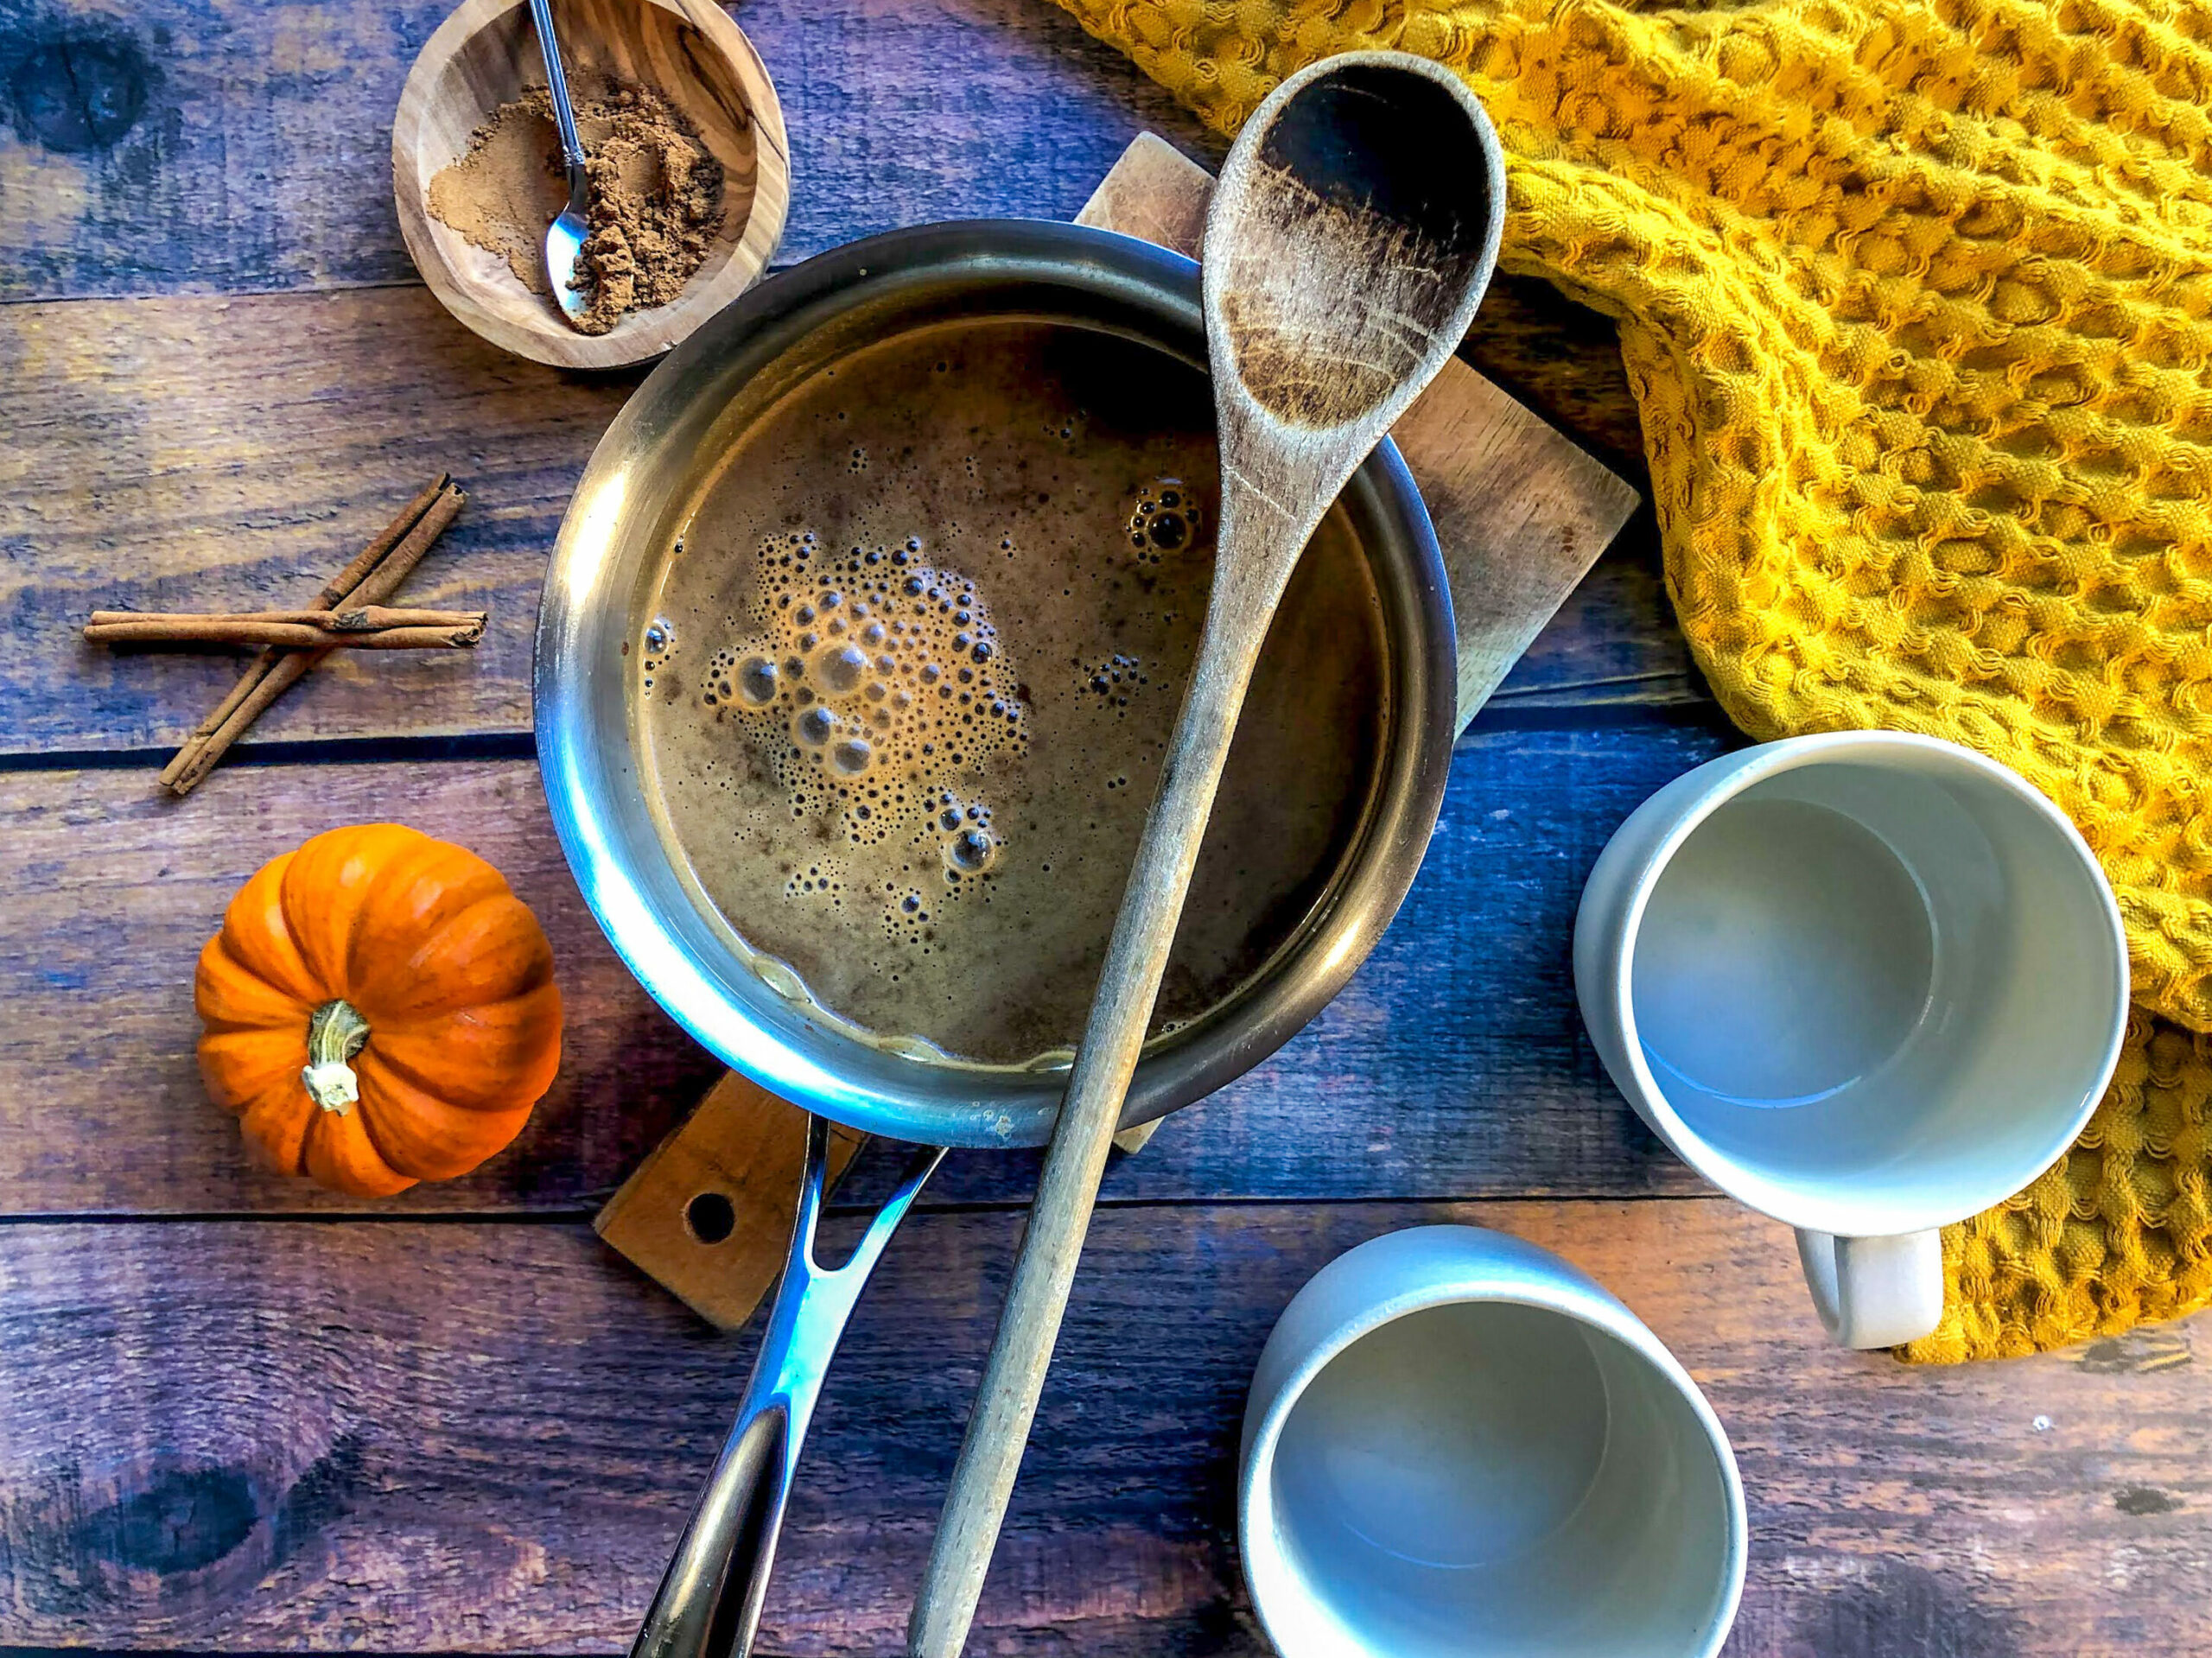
{"x": 1916, "y": 302}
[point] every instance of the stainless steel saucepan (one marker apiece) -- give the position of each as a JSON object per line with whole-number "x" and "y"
{"x": 642, "y": 478}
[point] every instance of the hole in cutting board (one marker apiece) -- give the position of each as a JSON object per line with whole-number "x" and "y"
{"x": 709, "y": 1217}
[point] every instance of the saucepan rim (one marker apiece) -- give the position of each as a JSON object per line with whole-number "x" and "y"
{"x": 584, "y": 722}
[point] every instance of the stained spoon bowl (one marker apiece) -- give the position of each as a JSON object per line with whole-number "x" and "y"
{"x": 564, "y": 248}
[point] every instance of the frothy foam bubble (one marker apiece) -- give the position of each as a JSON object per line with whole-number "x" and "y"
{"x": 971, "y": 851}
{"x": 839, "y": 668}
{"x": 757, "y": 680}
{"x": 1165, "y": 517}
{"x": 870, "y": 684}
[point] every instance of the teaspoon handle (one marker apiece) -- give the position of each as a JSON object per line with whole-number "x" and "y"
{"x": 556, "y": 82}
{"x": 1029, "y": 1324}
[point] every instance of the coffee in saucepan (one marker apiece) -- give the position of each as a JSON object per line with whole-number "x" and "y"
{"x": 913, "y": 663}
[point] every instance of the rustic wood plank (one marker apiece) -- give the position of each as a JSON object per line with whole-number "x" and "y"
{"x": 1613, "y": 645}
{"x": 1452, "y": 1064}
{"x": 160, "y": 446}
{"x": 205, "y": 454}
{"x": 420, "y": 1438}
{"x": 245, "y": 146}
{"x": 235, "y": 94}
{"x": 197, "y": 454}
{"x": 1562, "y": 359}
{"x": 246, "y": 153}
{"x": 110, "y": 892}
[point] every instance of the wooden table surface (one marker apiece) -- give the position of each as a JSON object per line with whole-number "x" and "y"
{"x": 240, "y": 1416}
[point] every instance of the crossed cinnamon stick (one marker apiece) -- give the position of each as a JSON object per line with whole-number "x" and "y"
{"x": 373, "y": 627}
{"x": 353, "y": 604}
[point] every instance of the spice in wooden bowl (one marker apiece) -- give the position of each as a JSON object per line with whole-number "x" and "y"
{"x": 692, "y": 58}
{"x": 655, "y": 196}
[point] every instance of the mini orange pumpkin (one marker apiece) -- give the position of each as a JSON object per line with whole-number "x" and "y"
{"x": 379, "y": 1010}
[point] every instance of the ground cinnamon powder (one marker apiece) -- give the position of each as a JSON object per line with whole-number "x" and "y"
{"x": 655, "y": 196}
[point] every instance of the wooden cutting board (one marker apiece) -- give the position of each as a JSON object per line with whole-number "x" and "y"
{"x": 1521, "y": 514}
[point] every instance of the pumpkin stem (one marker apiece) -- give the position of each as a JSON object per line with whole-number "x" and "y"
{"x": 336, "y": 1033}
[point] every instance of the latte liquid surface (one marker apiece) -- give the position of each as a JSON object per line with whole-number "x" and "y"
{"x": 914, "y": 667}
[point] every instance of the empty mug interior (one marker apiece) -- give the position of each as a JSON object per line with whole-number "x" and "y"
{"x": 1494, "y": 1478}
{"x": 1892, "y": 984}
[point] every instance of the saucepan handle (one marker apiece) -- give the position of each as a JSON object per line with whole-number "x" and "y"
{"x": 708, "y": 1603}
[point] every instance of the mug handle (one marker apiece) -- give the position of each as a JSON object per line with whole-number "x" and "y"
{"x": 1875, "y": 1292}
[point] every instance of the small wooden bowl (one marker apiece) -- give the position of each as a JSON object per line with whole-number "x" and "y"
{"x": 486, "y": 55}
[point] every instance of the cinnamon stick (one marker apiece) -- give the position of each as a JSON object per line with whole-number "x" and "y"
{"x": 375, "y": 581}
{"x": 368, "y": 619}
{"x": 383, "y": 580}
{"x": 193, "y": 765}
{"x": 333, "y": 590}
{"x": 371, "y": 627}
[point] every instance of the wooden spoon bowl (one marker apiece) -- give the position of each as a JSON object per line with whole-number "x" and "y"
{"x": 485, "y": 54}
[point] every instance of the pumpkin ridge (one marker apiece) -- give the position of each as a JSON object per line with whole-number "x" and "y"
{"x": 257, "y": 935}
{"x": 331, "y": 881}
{"x": 277, "y": 1134}
{"x": 509, "y": 1102}
{"x": 476, "y": 1007}
{"x": 493, "y": 926}
{"x": 527, "y": 1055}
{"x": 243, "y": 1068}
{"x": 368, "y": 1114}
{"x": 479, "y": 915}
{"x": 427, "y": 1135}
{"x": 329, "y": 1158}
{"x": 231, "y": 996}
{"x": 422, "y": 888}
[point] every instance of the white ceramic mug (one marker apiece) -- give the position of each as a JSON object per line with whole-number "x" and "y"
{"x": 1458, "y": 1445}
{"x": 1867, "y": 983}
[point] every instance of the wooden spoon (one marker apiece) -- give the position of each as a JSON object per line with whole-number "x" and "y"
{"x": 1349, "y": 241}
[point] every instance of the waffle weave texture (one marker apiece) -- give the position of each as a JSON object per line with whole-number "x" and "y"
{"x": 1916, "y": 300}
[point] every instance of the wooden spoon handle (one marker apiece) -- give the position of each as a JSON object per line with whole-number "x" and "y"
{"x": 1013, "y": 1376}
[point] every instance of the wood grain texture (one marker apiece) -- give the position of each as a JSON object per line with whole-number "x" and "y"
{"x": 1452, "y": 1064}
{"x": 203, "y": 453}
{"x": 109, "y": 889}
{"x": 246, "y": 145}
{"x": 413, "y": 1437}
{"x": 486, "y": 55}
{"x": 164, "y": 447}
{"x": 1154, "y": 193}
{"x": 1021, "y": 115}
{"x": 198, "y": 454}
{"x": 1562, "y": 359}
{"x": 1323, "y": 324}
{"x": 1521, "y": 513}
